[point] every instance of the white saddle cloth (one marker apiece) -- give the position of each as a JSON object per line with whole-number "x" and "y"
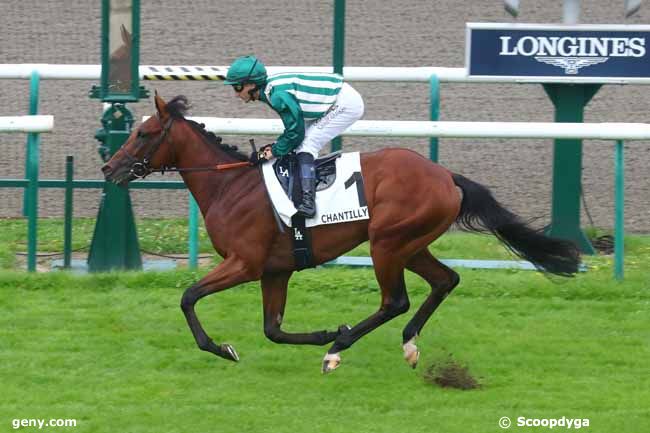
{"x": 335, "y": 204}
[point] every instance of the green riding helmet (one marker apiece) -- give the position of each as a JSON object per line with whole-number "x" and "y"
{"x": 246, "y": 69}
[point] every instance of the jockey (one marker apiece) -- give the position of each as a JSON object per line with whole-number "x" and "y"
{"x": 314, "y": 108}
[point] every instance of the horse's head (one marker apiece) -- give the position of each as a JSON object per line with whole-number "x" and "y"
{"x": 148, "y": 147}
{"x": 119, "y": 72}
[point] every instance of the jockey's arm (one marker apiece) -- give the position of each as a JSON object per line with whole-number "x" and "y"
{"x": 294, "y": 123}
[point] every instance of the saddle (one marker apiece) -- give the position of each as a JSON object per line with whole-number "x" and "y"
{"x": 285, "y": 169}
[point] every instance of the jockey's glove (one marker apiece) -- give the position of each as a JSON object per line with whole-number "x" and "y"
{"x": 259, "y": 156}
{"x": 255, "y": 158}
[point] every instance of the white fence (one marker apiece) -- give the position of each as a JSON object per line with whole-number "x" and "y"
{"x": 35, "y": 123}
{"x": 390, "y": 128}
{"x": 351, "y": 73}
{"x": 602, "y": 131}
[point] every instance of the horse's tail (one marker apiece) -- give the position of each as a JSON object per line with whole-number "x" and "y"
{"x": 481, "y": 212}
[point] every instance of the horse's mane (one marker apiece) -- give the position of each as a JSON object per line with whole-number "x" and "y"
{"x": 177, "y": 108}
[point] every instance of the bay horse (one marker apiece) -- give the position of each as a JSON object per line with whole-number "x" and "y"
{"x": 411, "y": 202}
{"x": 119, "y": 75}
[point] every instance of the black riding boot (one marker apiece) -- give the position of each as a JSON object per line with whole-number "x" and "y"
{"x": 308, "y": 182}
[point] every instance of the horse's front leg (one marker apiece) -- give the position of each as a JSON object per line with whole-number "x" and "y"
{"x": 274, "y": 298}
{"x": 229, "y": 273}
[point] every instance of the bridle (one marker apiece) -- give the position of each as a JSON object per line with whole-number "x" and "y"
{"x": 140, "y": 168}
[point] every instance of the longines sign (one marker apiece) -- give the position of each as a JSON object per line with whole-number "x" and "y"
{"x": 558, "y": 52}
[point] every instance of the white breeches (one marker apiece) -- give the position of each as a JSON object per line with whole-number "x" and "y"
{"x": 347, "y": 109}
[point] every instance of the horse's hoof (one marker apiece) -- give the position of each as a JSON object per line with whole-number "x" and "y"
{"x": 331, "y": 362}
{"x": 411, "y": 352}
{"x": 229, "y": 352}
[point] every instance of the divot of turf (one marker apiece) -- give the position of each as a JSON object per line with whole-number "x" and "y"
{"x": 448, "y": 373}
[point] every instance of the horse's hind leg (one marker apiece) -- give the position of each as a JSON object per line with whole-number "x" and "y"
{"x": 390, "y": 275}
{"x": 442, "y": 281}
{"x": 274, "y": 297}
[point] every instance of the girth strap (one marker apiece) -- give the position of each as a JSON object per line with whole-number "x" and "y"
{"x": 301, "y": 243}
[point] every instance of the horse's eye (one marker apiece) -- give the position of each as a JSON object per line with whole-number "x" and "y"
{"x": 141, "y": 134}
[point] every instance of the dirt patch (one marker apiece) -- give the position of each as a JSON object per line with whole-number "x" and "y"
{"x": 448, "y": 373}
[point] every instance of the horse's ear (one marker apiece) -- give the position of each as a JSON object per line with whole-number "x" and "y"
{"x": 161, "y": 105}
{"x": 126, "y": 36}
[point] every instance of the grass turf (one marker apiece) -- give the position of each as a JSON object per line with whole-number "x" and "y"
{"x": 113, "y": 351}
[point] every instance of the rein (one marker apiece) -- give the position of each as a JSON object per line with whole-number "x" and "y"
{"x": 141, "y": 169}
{"x": 217, "y": 167}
